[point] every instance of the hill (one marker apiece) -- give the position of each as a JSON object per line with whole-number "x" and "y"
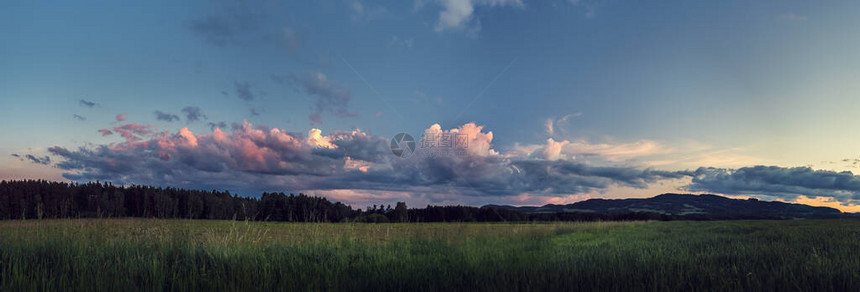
{"x": 686, "y": 205}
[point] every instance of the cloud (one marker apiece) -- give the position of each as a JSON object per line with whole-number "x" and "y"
{"x": 193, "y": 114}
{"x": 121, "y": 117}
{"x": 553, "y": 149}
{"x": 357, "y": 7}
{"x": 781, "y": 182}
{"x": 589, "y": 6}
{"x": 253, "y": 159}
{"x": 39, "y": 160}
{"x": 221, "y": 125}
{"x": 331, "y": 98}
{"x": 551, "y": 126}
{"x": 582, "y": 149}
{"x": 361, "y": 12}
{"x": 243, "y": 91}
{"x": 132, "y": 132}
{"x": 79, "y": 117}
{"x": 87, "y": 103}
{"x": 247, "y": 152}
{"x": 457, "y": 14}
{"x": 162, "y": 116}
{"x": 396, "y": 42}
{"x": 253, "y": 112}
{"x": 106, "y": 132}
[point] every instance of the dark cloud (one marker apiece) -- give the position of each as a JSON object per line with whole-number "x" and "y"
{"x": 330, "y": 97}
{"x": 254, "y": 112}
{"x": 79, "y": 117}
{"x": 243, "y": 91}
{"x": 162, "y": 116}
{"x": 39, "y": 160}
{"x": 193, "y": 113}
{"x": 786, "y": 183}
{"x": 87, "y": 103}
{"x": 219, "y": 125}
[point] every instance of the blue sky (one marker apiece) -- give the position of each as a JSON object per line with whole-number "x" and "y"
{"x": 669, "y": 86}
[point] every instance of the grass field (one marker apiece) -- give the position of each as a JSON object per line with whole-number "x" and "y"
{"x": 137, "y": 254}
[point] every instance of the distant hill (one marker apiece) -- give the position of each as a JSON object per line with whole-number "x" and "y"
{"x": 687, "y": 205}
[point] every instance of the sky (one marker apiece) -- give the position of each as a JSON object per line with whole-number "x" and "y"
{"x": 508, "y": 101}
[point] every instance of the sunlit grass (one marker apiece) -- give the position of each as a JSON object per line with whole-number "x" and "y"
{"x": 117, "y": 254}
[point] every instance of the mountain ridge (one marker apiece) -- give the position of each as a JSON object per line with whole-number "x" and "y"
{"x": 686, "y": 205}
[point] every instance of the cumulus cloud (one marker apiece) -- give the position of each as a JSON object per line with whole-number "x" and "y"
{"x": 448, "y": 165}
{"x": 552, "y": 150}
{"x": 121, "y": 117}
{"x": 167, "y": 117}
{"x": 258, "y": 158}
{"x": 581, "y": 149}
{"x": 782, "y": 182}
{"x": 193, "y": 114}
{"x": 87, "y": 103}
{"x": 330, "y": 97}
{"x": 185, "y": 158}
{"x": 243, "y": 91}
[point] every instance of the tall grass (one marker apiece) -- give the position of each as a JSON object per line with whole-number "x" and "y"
{"x": 138, "y": 254}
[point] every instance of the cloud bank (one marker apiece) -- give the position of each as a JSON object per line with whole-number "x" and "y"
{"x": 453, "y": 164}
{"x": 781, "y": 182}
{"x": 459, "y": 161}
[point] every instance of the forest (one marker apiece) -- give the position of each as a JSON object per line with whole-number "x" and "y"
{"x": 41, "y": 199}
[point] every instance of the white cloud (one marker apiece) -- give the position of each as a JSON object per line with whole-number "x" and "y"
{"x": 458, "y": 14}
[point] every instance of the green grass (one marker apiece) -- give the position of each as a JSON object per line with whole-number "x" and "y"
{"x": 137, "y": 254}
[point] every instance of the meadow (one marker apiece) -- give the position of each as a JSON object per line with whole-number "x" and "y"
{"x": 158, "y": 254}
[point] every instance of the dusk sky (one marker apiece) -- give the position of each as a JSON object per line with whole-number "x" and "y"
{"x": 555, "y": 101}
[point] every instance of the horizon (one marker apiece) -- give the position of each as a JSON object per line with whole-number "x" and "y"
{"x": 506, "y": 102}
{"x": 382, "y": 206}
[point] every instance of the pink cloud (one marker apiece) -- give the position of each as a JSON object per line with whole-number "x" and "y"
{"x": 105, "y": 132}
{"x": 133, "y": 132}
{"x": 121, "y": 117}
{"x": 260, "y": 158}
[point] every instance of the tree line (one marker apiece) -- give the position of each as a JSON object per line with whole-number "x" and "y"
{"x": 41, "y": 199}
